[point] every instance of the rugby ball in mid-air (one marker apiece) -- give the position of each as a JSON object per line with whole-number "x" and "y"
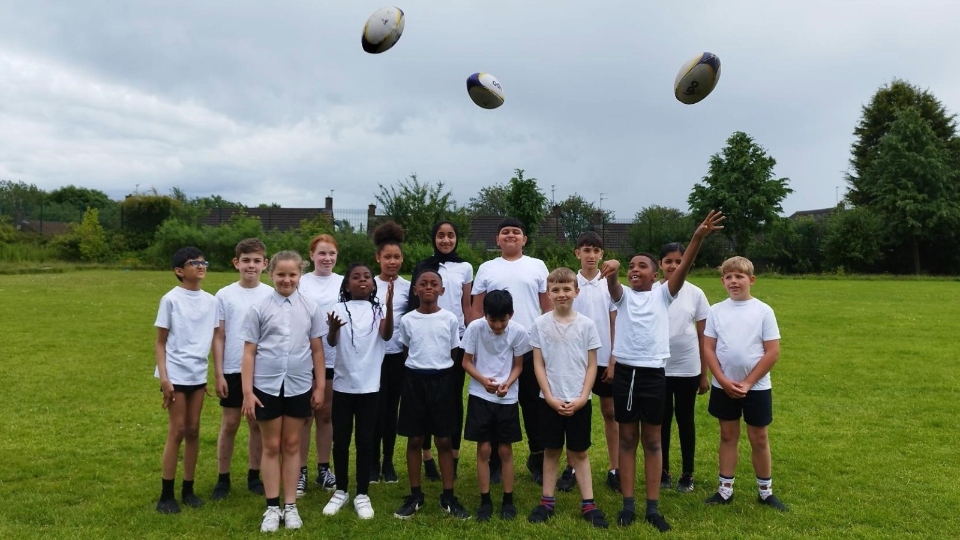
{"x": 697, "y": 78}
{"x": 485, "y": 90}
{"x": 382, "y": 30}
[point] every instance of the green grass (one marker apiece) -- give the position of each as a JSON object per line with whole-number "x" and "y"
{"x": 864, "y": 438}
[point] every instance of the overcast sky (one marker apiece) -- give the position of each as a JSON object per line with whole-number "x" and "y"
{"x": 276, "y": 101}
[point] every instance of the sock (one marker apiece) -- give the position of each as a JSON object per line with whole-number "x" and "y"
{"x": 253, "y": 474}
{"x": 447, "y": 493}
{"x": 428, "y": 461}
{"x": 289, "y": 506}
{"x": 187, "y": 488}
{"x": 485, "y": 498}
{"x": 629, "y": 505}
{"x": 726, "y": 487}
{"x": 323, "y": 467}
{"x": 303, "y": 470}
{"x": 587, "y": 505}
{"x": 765, "y": 486}
{"x": 653, "y": 507}
{"x": 549, "y": 502}
{"x": 224, "y": 477}
{"x": 166, "y": 489}
{"x": 416, "y": 491}
{"x": 507, "y": 497}
{"x": 275, "y": 501}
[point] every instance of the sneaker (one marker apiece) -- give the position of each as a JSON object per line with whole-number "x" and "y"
{"x": 192, "y": 500}
{"x": 291, "y": 517}
{"x": 567, "y": 479}
{"x": 658, "y": 522}
{"x": 685, "y": 485}
{"x": 411, "y": 503}
{"x": 717, "y": 498}
{"x": 389, "y": 473}
{"x": 626, "y": 518}
{"x": 536, "y": 470}
{"x": 484, "y": 512}
{"x": 255, "y": 486}
{"x": 327, "y": 480}
{"x": 452, "y": 506}
{"x": 220, "y": 491}
{"x": 508, "y": 512}
{"x": 774, "y": 502}
{"x": 666, "y": 481}
{"x": 302, "y": 484}
{"x": 613, "y": 480}
{"x": 361, "y": 503}
{"x": 375, "y": 476}
{"x": 540, "y": 514}
{"x": 338, "y": 501}
{"x": 596, "y": 518}
{"x": 169, "y": 506}
{"x": 271, "y": 519}
{"x": 430, "y": 470}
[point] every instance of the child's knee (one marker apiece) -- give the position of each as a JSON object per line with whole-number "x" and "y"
{"x": 191, "y": 431}
{"x": 291, "y": 445}
{"x": 443, "y": 444}
{"x": 483, "y": 451}
{"x": 231, "y": 423}
{"x": 414, "y": 444}
{"x": 606, "y": 410}
{"x": 629, "y": 439}
{"x": 323, "y": 414}
{"x": 758, "y": 437}
{"x": 506, "y": 453}
{"x": 651, "y": 442}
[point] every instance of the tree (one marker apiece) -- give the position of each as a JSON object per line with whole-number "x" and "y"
{"x": 875, "y": 122}
{"x": 853, "y": 238}
{"x": 80, "y": 197}
{"x": 741, "y": 185}
{"x": 142, "y": 215}
{"x": 655, "y": 226}
{"x": 19, "y": 200}
{"x": 491, "y": 201}
{"x": 578, "y": 215}
{"x": 911, "y": 182}
{"x": 526, "y": 202}
{"x": 93, "y": 241}
{"x": 416, "y": 206}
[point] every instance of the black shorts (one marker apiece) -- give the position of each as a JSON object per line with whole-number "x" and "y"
{"x": 187, "y": 388}
{"x": 488, "y": 421}
{"x": 329, "y": 374}
{"x": 600, "y": 388}
{"x": 277, "y": 406}
{"x": 638, "y": 394}
{"x": 554, "y": 428}
{"x": 428, "y": 404}
{"x": 234, "y": 399}
{"x": 756, "y": 408}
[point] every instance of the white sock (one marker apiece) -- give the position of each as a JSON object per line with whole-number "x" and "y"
{"x": 726, "y": 487}
{"x": 765, "y": 486}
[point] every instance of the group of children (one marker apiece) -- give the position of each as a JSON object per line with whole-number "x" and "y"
{"x": 372, "y": 356}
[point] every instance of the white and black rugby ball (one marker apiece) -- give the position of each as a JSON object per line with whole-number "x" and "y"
{"x": 485, "y": 90}
{"x": 697, "y": 78}
{"x": 382, "y": 30}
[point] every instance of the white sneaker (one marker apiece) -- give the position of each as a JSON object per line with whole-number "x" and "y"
{"x": 361, "y": 503}
{"x": 291, "y": 517}
{"x": 271, "y": 519}
{"x": 338, "y": 501}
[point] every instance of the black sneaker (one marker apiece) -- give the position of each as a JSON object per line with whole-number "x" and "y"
{"x": 191, "y": 500}
{"x": 685, "y": 485}
{"x": 666, "y": 481}
{"x": 168, "y": 506}
{"x": 658, "y": 522}
{"x": 255, "y": 486}
{"x": 536, "y": 469}
{"x": 508, "y": 512}
{"x": 626, "y": 518}
{"x": 717, "y": 498}
{"x": 567, "y": 479}
{"x": 596, "y": 518}
{"x": 411, "y": 503}
{"x": 774, "y": 502}
{"x": 496, "y": 475}
{"x": 613, "y": 480}
{"x": 220, "y": 491}
{"x": 326, "y": 479}
{"x": 540, "y": 514}
{"x": 375, "y": 476}
{"x": 452, "y": 506}
{"x": 430, "y": 470}
{"x": 389, "y": 473}
{"x": 484, "y": 512}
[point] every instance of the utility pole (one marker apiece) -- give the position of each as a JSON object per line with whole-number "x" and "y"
{"x": 553, "y": 194}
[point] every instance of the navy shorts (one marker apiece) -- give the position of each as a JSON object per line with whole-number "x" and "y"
{"x": 600, "y": 388}
{"x": 428, "y": 404}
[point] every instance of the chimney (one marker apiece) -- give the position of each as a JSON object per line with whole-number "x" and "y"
{"x": 328, "y": 205}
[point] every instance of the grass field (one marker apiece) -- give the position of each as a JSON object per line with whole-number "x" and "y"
{"x": 864, "y": 440}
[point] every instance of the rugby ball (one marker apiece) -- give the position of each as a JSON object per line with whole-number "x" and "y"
{"x": 485, "y": 90}
{"x": 382, "y": 30}
{"x": 697, "y": 78}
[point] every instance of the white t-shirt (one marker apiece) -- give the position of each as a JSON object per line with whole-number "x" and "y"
{"x": 401, "y": 293}
{"x": 524, "y": 278}
{"x": 191, "y": 318}
{"x": 689, "y": 307}
{"x": 282, "y": 327}
{"x": 594, "y": 302}
{"x": 454, "y": 276}
{"x": 429, "y": 337}
{"x": 642, "y": 336}
{"x": 493, "y": 356}
{"x": 233, "y": 304}
{"x": 740, "y": 328}
{"x": 325, "y": 291}
{"x": 564, "y": 348}
{"x": 359, "y": 349}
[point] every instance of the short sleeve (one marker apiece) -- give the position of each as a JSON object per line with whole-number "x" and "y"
{"x": 469, "y": 341}
{"x": 318, "y": 323}
{"x": 521, "y": 341}
{"x": 701, "y": 306}
{"x": 542, "y": 277}
{"x": 770, "y": 329}
{"x": 593, "y": 336}
{"x": 467, "y": 272}
{"x": 710, "y": 330}
{"x": 250, "y": 332}
{"x": 405, "y": 331}
{"x": 164, "y": 313}
{"x": 454, "y": 328}
{"x": 480, "y": 283}
{"x": 221, "y": 307}
{"x": 535, "y": 336}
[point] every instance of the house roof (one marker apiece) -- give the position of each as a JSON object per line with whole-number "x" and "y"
{"x": 281, "y": 219}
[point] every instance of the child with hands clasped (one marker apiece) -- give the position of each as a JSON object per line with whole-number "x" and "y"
{"x": 741, "y": 345}
{"x": 283, "y": 381}
{"x": 640, "y": 347}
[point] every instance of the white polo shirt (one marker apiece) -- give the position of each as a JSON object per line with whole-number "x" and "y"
{"x": 190, "y": 317}
{"x": 594, "y": 301}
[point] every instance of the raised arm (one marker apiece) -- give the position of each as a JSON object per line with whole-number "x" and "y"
{"x": 710, "y": 223}
{"x": 386, "y": 325}
{"x": 611, "y": 272}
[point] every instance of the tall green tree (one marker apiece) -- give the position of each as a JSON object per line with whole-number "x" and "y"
{"x": 526, "y": 202}
{"x": 578, "y": 215}
{"x": 490, "y": 201}
{"x": 655, "y": 226}
{"x": 741, "y": 184}
{"x": 93, "y": 241}
{"x": 80, "y": 197}
{"x": 912, "y": 184}
{"x": 876, "y": 120}
{"x": 853, "y": 239}
{"x": 416, "y": 206}
{"x": 19, "y": 199}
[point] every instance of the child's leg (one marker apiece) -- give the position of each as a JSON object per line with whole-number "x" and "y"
{"x": 611, "y": 432}
{"x": 290, "y": 430}
{"x": 685, "y": 394}
{"x": 652, "y": 459}
{"x": 629, "y": 439}
{"x": 270, "y": 431}
{"x": 343, "y": 412}
{"x": 581, "y": 462}
{"x": 459, "y": 377}
{"x": 365, "y": 411}
{"x": 729, "y": 438}
{"x": 324, "y": 421}
{"x": 483, "y": 467}
{"x": 176, "y": 425}
{"x": 760, "y": 454}
{"x": 414, "y": 451}
{"x": 254, "y": 445}
{"x": 667, "y": 424}
{"x": 506, "y": 467}
{"x": 226, "y": 438}
{"x": 389, "y": 406}
{"x": 304, "y": 444}
{"x": 191, "y": 433}
{"x": 445, "y": 451}
{"x": 551, "y": 466}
